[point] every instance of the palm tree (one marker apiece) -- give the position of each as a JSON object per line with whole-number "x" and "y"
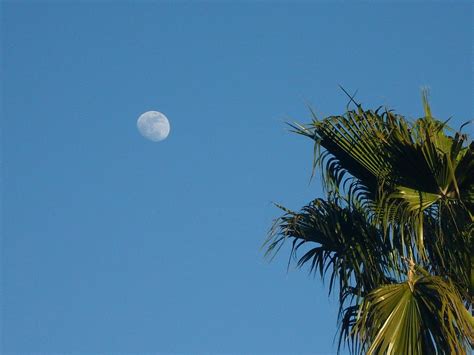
{"x": 394, "y": 233}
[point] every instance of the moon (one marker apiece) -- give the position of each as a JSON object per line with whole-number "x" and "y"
{"x": 153, "y": 125}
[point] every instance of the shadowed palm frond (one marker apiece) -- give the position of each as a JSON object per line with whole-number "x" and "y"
{"x": 339, "y": 240}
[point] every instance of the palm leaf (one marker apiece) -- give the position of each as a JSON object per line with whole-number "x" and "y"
{"x": 425, "y": 316}
{"x": 341, "y": 242}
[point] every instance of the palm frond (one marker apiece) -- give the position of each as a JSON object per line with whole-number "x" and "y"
{"x": 339, "y": 240}
{"x": 426, "y": 316}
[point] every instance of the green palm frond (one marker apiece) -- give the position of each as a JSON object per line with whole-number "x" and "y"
{"x": 424, "y": 316}
{"x": 464, "y": 175}
{"x": 339, "y": 240}
{"x": 352, "y": 146}
{"x": 449, "y": 246}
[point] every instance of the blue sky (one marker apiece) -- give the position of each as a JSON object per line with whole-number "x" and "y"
{"x": 112, "y": 243}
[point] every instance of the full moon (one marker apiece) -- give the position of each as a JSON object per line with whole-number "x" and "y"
{"x": 153, "y": 125}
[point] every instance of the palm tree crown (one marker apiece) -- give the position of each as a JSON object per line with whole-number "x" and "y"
{"x": 394, "y": 233}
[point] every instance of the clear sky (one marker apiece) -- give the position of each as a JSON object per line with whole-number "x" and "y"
{"x": 113, "y": 243}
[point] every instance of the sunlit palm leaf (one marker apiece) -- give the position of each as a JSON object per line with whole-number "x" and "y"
{"x": 424, "y": 316}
